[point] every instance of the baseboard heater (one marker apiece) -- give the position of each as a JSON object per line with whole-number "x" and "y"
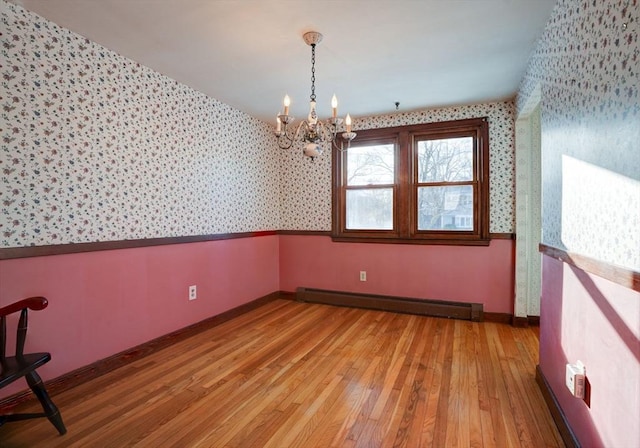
{"x": 436, "y": 308}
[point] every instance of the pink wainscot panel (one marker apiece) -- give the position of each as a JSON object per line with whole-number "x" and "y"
{"x": 101, "y": 303}
{"x": 586, "y": 318}
{"x": 481, "y": 274}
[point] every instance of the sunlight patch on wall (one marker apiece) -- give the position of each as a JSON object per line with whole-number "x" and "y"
{"x": 600, "y": 212}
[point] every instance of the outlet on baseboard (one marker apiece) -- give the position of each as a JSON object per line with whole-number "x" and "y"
{"x": 193, "y": 292}
{"x": 363, "y": 276}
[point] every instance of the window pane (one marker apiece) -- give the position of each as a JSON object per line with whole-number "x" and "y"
{"x": 445, "y": 160}
{"x": 370, "y": 209}
{"x": 370, "y": 165}
{"x": 445, "y": 208}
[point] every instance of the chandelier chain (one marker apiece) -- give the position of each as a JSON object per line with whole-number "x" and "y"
{"x": 313, "y": 72}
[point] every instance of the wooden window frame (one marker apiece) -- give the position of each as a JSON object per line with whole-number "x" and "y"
{"x": 405, "y": 228}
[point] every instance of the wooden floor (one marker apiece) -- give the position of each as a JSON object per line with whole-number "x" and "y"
{"x": 300, "y": 375}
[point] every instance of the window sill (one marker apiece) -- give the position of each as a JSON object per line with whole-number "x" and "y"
{"x": 423, "y": 241}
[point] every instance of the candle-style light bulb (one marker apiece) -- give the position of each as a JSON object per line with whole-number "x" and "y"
{"x": 334, "y": 106}
{"x": 278, "y": 124}
{"x": 347, "y": 122}
{"x": 287, "y": 103}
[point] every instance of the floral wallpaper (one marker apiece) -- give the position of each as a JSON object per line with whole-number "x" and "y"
{"x": 96, "y": 147}
{"x": 306, "y": 185}
{"x": 587, "y": 68}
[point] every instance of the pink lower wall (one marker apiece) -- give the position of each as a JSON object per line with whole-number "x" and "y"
{"x": 101, "y": 303}
{"x": 482, "y": 274}
{"x": 587, "y": 318}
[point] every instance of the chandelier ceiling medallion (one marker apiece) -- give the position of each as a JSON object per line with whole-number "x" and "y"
{"x": 312, "y": 132}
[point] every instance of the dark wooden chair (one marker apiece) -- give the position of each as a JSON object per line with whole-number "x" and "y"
{"x": 25, "y": 365}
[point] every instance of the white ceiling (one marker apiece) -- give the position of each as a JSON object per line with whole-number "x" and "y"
{"x": 249, "y": 53}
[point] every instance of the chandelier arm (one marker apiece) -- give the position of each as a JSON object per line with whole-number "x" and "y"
{"x": 346, "y": 136}
{"x": 289, "y": 138}
{"x": 283, "y": 136}
{"x": 302, "y": 123}
{"x": 287, "y": 145}
{"x": 341, "y": 148}
{"x": 327, "y": 132}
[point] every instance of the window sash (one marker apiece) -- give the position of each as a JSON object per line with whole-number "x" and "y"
{"x": 406, "y": 228}
{"x": 383, "y": 217}
{"x": 450, "y": 153}
{"x": 380, "y": 172}
{"x": 447, "y": 210}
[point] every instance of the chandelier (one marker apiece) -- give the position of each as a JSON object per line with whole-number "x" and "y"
{"x": 312, "y": 132}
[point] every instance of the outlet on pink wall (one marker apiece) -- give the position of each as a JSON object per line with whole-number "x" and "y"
{"x": 481, "y": 274}
{"x": 101, "y": 303}
{"x": 587, "y": 318}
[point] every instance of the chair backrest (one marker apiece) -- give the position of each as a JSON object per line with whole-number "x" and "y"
{"x": 25, "y": 365}
{"x": 32, "y": 303}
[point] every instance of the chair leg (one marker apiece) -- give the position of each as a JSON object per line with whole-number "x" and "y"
{"x": 50, "y": 409}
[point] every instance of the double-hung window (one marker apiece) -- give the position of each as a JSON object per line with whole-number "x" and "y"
{"x": 422, "y": 183}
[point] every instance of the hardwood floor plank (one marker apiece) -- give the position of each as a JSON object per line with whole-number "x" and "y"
{"x": 351, "y": 419}
{"x": 441, "y": 393}
{"x": 404, "y": 327}
{"x": 292, "y": 374}
{"x": 432, "y": 384}
{"x": 510, "y": 370}
{"x": 409, "y": 431}
{"x": 471, "y": 355}
{"x": 487, "y": 392}
{"x": 504, "y": 423}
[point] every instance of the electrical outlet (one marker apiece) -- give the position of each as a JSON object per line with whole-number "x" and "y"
{"x": 193, "y": 292}
{"x": 363, "y": 276}
{"x": 575, "y": 379}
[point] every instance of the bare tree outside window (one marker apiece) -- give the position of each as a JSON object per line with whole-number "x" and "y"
{"x": 371, "y": 167}
{"x": 370, "y": 209}
{"x": 417, "y": 184}
{"x": 445, "y": 196}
